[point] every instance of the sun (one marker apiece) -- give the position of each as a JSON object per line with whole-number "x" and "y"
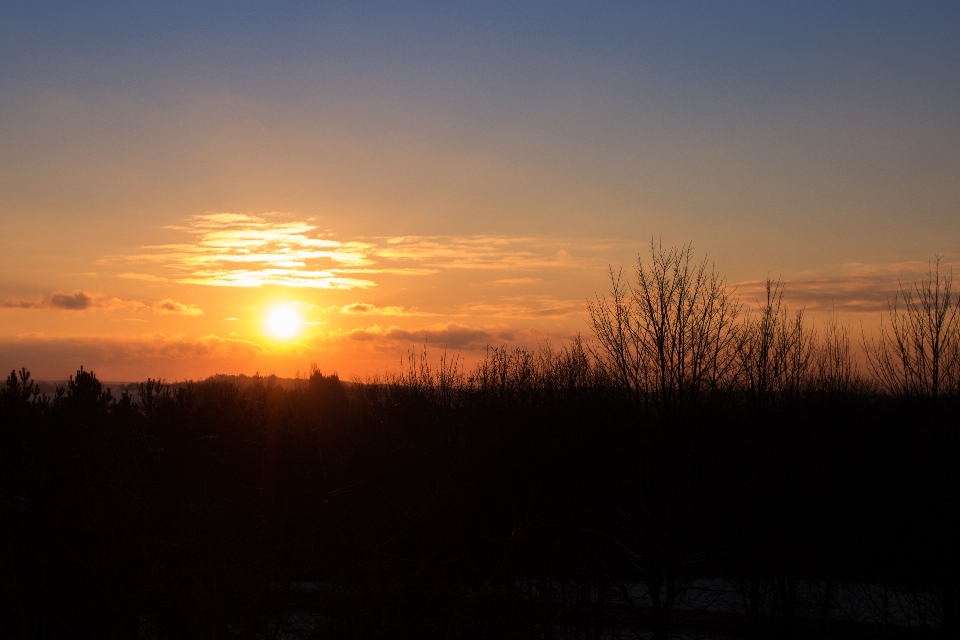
{"x": 283, "y": 322}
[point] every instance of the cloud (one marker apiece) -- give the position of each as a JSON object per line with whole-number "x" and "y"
{"x": 448, "y": 336}
{"x": 478, "y": 252}
{"x": 281, "y": 277}
{"x": 862, "y": 288}
{"x": 24, "y": 304}
{"x": 515, "y": 281}
{"x": 528, "y": 307}
{"x": 143, "y": 277}
{"x": 83, "y": 301}
{"x": 363, "y": 308}
{"x": 239, "y": 250}
{"x": 76, "y": 301}
{"x": 413, "y": 271}
{"x": 172, "y": 306}
{"x": 112, "y": 304}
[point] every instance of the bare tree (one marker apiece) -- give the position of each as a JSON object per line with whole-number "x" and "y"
{"x": 917, "y": 353}
{"x": 835, "y": 369}
{"x": 776, "y": 350}
{"x": 674, "y": 335}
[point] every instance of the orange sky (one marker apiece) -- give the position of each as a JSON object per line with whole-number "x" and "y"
{"x": 200, "y": 300}
{"x": 449, "y": 177}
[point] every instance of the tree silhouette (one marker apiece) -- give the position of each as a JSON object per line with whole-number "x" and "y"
{"x": 917, "y": 352}
{"x": 836, "y": 371}
{"x": 776, "y": 351}
{"x": 673, "y": 336}
{"x": 632, "y": 486}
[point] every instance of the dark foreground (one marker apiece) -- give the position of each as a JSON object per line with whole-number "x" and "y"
{"x": 538, "y": 504}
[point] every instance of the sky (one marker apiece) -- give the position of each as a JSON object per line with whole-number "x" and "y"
{"x": 176, "y": 180}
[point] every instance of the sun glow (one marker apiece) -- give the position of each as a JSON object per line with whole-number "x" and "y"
{"x": 283, "y": 323}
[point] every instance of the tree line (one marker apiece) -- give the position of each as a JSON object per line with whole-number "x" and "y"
{"x": 678, "y": 334}
{"x": 694, "y": 468}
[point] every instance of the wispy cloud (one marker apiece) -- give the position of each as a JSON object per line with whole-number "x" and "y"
{"x": 862, "y": 288}
{"x": 528, "y": 307}
{"x": 447, "y": 336}
{"x": 143, "y": 277}
{"x": 239, "y": 250}
{"x": 172, "y": 306}
{"x": 363, "y": 308}
{"x": 76, "y": 301}
{"x": 477, "y": 252}
{"x": 85, "y": 301}
{"x": 12, "y": 303}
{"x": 396, "y": 271}
{"x": 509, "y": 282}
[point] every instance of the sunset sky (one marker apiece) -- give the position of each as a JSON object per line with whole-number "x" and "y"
{"x": 237, "y": 187}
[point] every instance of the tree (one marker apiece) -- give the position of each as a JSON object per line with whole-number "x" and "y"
{"x": 835, "y": 369}
{"x": 19, "y": 392}
{"x": 673, "y": 336}
{"x": 776, "y": 350}
{"x": 917, "y": 353}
